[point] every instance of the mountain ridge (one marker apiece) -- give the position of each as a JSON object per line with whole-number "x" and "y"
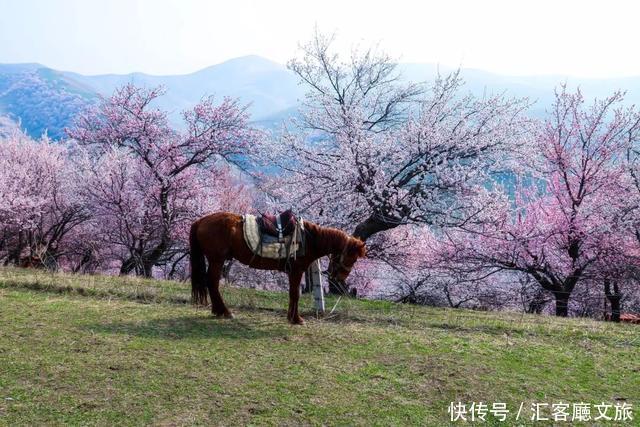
{"x": 44, "y": 99}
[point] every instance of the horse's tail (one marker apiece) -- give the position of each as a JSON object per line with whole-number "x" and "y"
{"x": 198, "y": 269}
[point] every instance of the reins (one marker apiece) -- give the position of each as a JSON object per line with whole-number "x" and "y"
{"x": 340, "y": 263}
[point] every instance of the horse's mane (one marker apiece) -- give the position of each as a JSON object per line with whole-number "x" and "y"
{"x": 328, "y": 235}
{"x": 332, "y": 236}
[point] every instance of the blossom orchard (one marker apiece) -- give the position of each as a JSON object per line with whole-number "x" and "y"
{"x": 456, "y": 195}
{"x": 566, "y": 225}
{"x": 126, "y": 183}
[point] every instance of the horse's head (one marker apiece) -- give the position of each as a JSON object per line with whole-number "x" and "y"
{"x": 340, "y": 265}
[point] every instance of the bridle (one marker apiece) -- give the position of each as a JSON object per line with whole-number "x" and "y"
{"x": 340, "y": 266}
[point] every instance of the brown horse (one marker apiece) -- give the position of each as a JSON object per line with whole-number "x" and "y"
{"x": 220, "y": 237}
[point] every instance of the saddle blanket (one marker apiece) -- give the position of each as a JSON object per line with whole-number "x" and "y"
{"x": 267, "y": 246}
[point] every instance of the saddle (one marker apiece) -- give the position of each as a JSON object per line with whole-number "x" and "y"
{"x": 279, "y": 241}
{"x": 280, "y": 226}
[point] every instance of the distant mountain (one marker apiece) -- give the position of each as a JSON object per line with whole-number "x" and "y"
{"x": 42, "y": 99}
{"x": 538, "y": 89}
{"x": 269, "y": 87}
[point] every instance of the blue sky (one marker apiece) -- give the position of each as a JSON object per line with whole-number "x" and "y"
{"x": 564, "y": 37}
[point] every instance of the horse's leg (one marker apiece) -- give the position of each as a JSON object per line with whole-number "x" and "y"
{"x": 217, "y": 304}
{"x": 294, "y": 295}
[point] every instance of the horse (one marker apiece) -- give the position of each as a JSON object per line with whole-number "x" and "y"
{"x": 219, "y": 237}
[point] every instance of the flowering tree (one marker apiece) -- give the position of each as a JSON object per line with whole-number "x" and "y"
{"x": 633, "y": 175}
{"x": 372, "y": 152}
{"x": 147, "y": 181}
{"x": 621, "y": 267}
{"x": 422, "y": 268}
{"x": 39, "y": 202}
{"x": 564, "y": 227}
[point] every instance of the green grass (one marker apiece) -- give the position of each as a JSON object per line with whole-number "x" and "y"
{"x": 124, "y": 351}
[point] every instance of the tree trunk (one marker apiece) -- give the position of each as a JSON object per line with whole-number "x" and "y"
{"x": 615, "y": 308}
{"x": 152, "y": 257}
{"x": 143, "y": 263}
{"x": 128, "y": 266}
{"x": 13, "y": 256}
{"x": 614, "y": 298}
{"x": 371, "y": 226}
{"x": 562, "y": 303}
{"x": 147, "y": 269}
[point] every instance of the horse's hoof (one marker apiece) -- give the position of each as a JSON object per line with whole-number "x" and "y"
{"x": 225, "y": 315}
{"x": 297, "y": 321}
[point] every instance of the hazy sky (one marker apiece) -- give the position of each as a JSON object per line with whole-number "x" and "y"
{"x": 581, "y": 38}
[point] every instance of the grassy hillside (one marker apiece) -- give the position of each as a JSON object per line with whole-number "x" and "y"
{"x": 103, "y": 350}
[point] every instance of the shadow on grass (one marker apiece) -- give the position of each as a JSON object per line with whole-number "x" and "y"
{"x": 489, "y": 328}
{"x": 135, "y": 295}
{"x": 190, "y": 327}
{"x": 427, "y": 321}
